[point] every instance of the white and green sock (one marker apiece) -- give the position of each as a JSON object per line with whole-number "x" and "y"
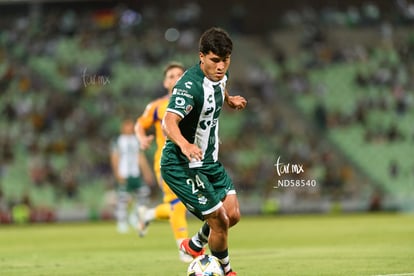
{"x": 224, "y": 259}
{"x": 200, "y": 239}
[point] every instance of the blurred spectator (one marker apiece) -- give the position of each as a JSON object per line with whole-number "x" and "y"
{"x": 394, "y": 168}
{"x": 375, "y": 203}
{"x": 320, "y": 116}
{"x": 4, "y": 207}
{"x": 21, "y": 211}
{"x": 393, "y": 133}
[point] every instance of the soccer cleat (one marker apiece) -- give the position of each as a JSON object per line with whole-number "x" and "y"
{"x": 122, "y": 227}
{"x": 142, "y": 225}
{"x": 142, "y": 228}
{"x": 185, "y": 247}
{"x": 184, "y": 257}
{"x": 231, "y": 273}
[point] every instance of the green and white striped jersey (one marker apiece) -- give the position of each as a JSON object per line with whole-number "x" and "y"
{"x": 127, "y": 147}
{"x": 198, "y": 101}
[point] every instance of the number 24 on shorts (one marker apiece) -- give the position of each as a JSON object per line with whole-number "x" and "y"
{"x": 195, "y": 184}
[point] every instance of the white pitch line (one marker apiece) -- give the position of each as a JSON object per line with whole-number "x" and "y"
{"x": 401, "y": 274}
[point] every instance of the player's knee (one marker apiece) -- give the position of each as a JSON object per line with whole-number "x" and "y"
{"x": 232, "y": 209}
{"x": 234, "y": 217}
{"x": 219, "y": 220}
{"x": 224, "y": 218}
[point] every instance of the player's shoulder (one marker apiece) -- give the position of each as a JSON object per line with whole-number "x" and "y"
{"x": 160, "y": 101}
{"x": 190, "y": 83}
{"x": 153, "y": 105}
{"x": 192, "y": 76}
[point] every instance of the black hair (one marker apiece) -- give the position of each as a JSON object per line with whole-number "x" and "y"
{"x": 217, "y": 41}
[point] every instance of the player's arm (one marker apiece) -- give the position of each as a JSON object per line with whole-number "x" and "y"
{"x": 144, "y": 122}
{"x": 235, "y": 102}
{"x": 145, "y": 168}
{"x": 114, "y": 156}
{"x": 173, "y": 132}
{"x": 141, "y": 134}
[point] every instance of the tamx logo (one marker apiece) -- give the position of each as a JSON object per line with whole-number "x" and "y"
{"x": 284, "y": 169}
{"x": 288, "y": 168}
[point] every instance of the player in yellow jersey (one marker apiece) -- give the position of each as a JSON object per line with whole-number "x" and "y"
{"x": 171, "y": 208}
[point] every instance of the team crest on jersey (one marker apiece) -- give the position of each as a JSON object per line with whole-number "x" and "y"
{"x": 202, "y": 200}
{"x": 188, "y": 109}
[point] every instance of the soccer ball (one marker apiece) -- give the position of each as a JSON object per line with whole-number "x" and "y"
{"x": 205, "y": 265}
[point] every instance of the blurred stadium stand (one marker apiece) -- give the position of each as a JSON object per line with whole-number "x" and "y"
{"x": 329, "y": 85}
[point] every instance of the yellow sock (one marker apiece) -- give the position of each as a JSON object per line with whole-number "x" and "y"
{"x": 163, "y": 211}
{"x": 178, "y": 221}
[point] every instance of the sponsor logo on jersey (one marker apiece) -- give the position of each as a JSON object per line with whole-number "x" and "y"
{"x": 208, "y": 111}
{"x": 188, "y": 84}
{"x": 179, "y": 102}
{"x": 181, "y": 92}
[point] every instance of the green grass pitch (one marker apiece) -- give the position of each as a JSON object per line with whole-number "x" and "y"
{"x": 358, "y": 244}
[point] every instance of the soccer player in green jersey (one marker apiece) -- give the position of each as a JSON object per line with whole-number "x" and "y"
{"x": 132, "y": 172}
{"x": 189, "y": 162}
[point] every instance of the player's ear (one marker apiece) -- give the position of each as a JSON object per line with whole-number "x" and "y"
{"x": 202, "y": 57}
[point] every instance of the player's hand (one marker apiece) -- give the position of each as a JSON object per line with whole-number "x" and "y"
{"x": 121, "y": 180}
{"x": 145, "y": 142}
{"x": 192, "y": 152}
{"x": 149, "y": 180}
{"x": 236, "y": 102}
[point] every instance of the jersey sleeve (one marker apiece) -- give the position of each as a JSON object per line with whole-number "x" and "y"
{"x": 182, "y": 99}
{"x": 147, "y": 118}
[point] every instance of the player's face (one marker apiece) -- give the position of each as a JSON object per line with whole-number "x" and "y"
{"x": 127, "y": 127}
{"x": 213, "y": 66}
{"x": 171, "y": 77}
